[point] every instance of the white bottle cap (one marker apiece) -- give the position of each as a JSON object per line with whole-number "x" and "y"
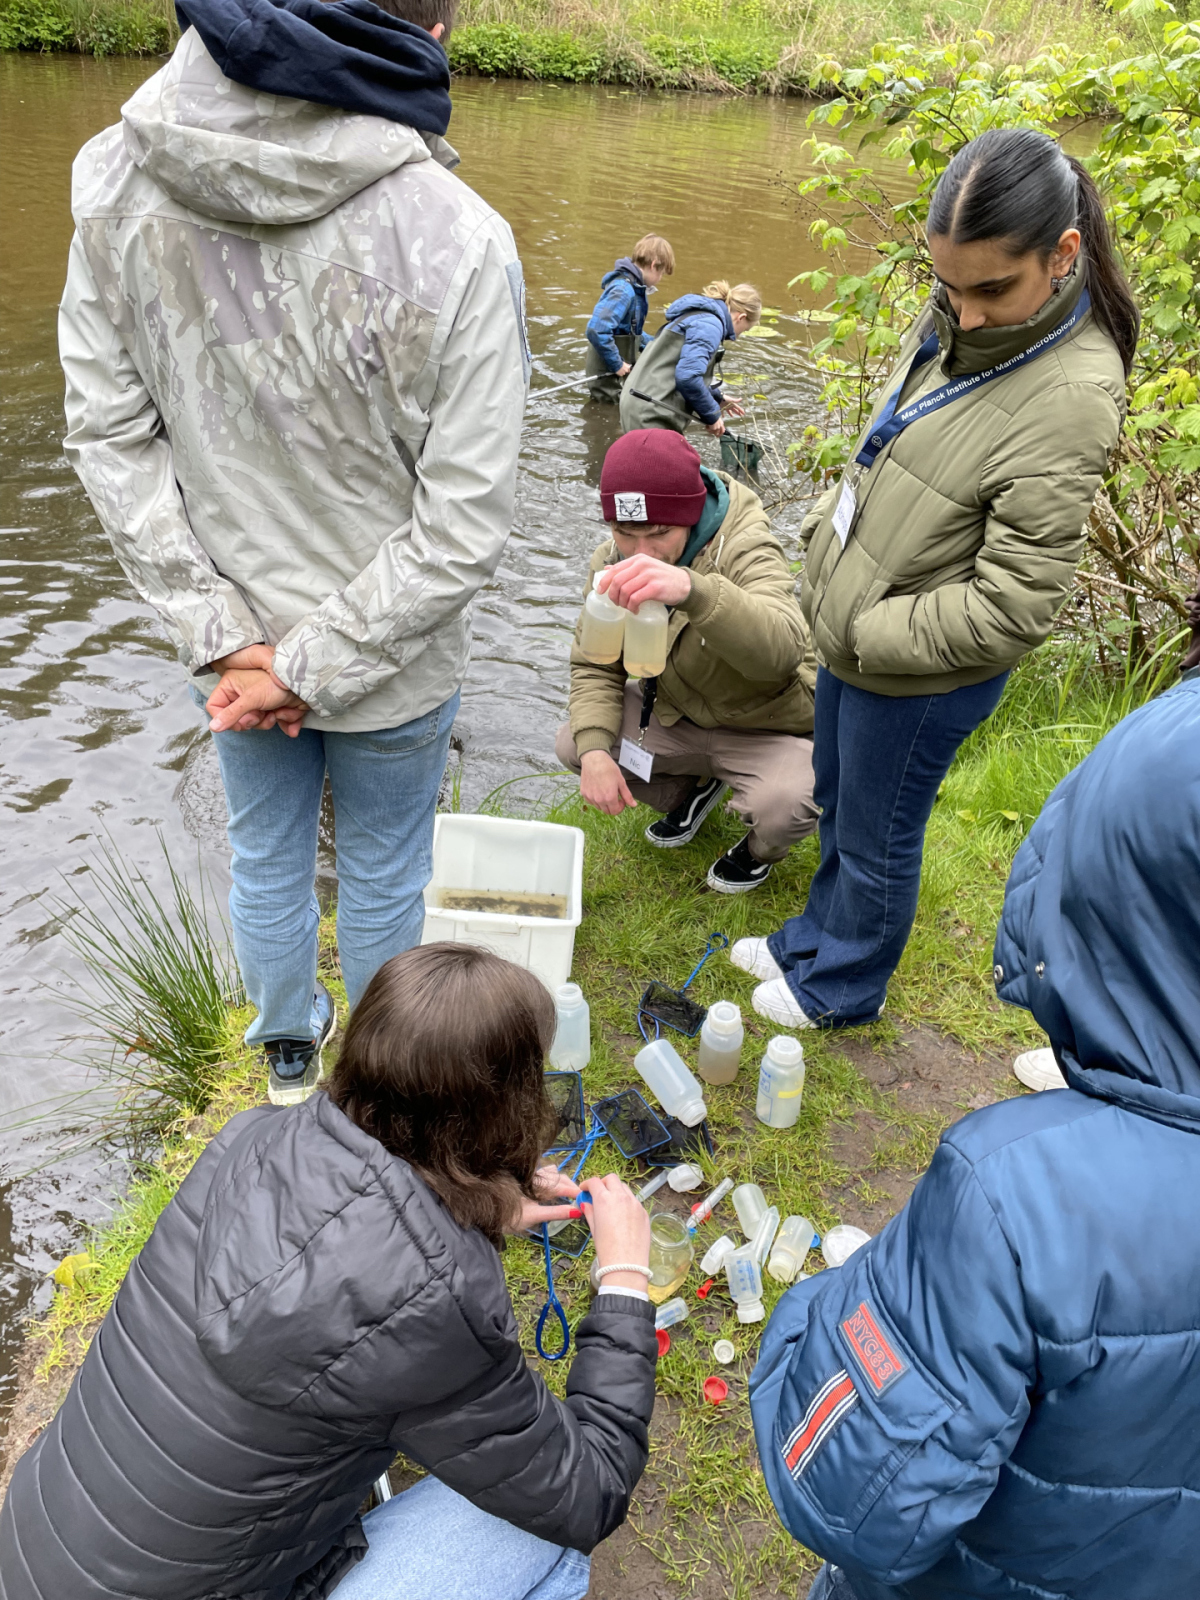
{"x": 750, "y": 1311}
{"x": 569, "y": 994}
{"x": 596, "y": 579}
{"x": 786, "y": 1050}
{"x": 724, "y": 1016}
{"x": 714, "y": 1256}
{"x": 685, "y": 1177}
{"x": 724, "y": 1351}
{"x": 692, "y": 1112}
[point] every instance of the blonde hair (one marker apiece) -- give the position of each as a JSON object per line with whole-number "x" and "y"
{"x": 652, "y": 250}
{"x": 743, "y": 297}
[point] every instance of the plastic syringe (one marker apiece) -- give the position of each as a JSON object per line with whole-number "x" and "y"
{"x": 654, "y": 1185}
{"x": 704, "y": 1209}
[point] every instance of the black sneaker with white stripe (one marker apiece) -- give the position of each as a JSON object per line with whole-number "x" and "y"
{"x": 683, "y": 824}
{"x": 737, "y": 871}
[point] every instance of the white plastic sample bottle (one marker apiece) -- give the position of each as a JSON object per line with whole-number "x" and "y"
{"x": 572, "y": 1047}
{"x": 671, "y": 1312}
{"x": 780, "y": 1082}
{"x": 646, "y": 640}
{"x": 603, "y": 632}
{"x": 667, "y": 1076}
{"x": 685, "y": 1177}
{"x": 750, "y": 1204}
{"x": 791, "y": 1249}
{"x": 721, "y": 1040}
{"x": 714, "y": 1256}
{"x": 745, "y": 1283}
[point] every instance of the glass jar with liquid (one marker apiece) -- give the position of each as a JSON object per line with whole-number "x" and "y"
{"x": 646, "y": 640}
{"x": 603, "y": 632}
{"x": 671, "y": 1254}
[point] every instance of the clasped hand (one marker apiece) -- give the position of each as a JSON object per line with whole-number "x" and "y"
{"x": 249, "y": 695}
{"x": 639, "y": 578}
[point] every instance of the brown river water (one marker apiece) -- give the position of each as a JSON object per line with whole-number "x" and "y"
{"x": 97, "y": 736}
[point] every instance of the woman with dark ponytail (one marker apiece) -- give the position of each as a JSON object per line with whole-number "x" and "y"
{"x": 943, "y": 555}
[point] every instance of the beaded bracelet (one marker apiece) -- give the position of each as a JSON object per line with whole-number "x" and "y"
{"x": 622, "y": 1266}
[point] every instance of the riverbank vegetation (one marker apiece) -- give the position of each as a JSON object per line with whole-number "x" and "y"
{"x": 772, "y": 46}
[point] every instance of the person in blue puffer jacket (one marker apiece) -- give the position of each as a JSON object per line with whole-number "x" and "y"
{"x": 615, "y": 329}
{"x": 1000, "y": 1394}
{"x": 675, "y": 377}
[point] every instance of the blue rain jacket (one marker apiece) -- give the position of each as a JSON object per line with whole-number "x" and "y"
{"x": 350, "y": 54}
{"x": 621, "y": 308}
{"x": 1000, "y": 1394}
{"x": 706, "y": 324}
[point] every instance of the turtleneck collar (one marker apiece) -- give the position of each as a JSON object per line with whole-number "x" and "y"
{"x": 984, "y": 347}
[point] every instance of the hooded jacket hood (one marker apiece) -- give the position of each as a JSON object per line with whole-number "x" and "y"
{"x": 1101, "y": 922}
{"x": 627, "y": 268}
{"x": 688, "y": 303}
{"x": 237, "y": 154}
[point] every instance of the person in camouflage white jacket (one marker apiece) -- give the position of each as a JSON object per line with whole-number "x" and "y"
{"x": 296, "y": 369}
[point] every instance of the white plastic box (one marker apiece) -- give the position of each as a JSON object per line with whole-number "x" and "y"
{"x": 498, "y": 857}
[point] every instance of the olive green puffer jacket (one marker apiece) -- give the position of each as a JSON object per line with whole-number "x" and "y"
{"x": 738, "y": 650}
{"x": 970, "y": 522}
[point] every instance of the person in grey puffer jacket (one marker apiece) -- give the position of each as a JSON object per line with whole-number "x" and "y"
{"x": 324, "y": 1291}
{"x": 296, "y": 370}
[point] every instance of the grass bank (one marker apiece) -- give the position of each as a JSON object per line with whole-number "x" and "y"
{"x": 770, "y": 46}
{"x": 876, "y": 1101}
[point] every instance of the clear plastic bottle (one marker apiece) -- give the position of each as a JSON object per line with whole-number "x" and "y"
{"x": 667, "y": 1076}
{"x": 750, "y": 1203}
{"x": 764, "y": 1234}
{"x": 745, "y": 1283}
{"x": 780, "y": 1082}
{"x": 572, "y": 1047}
{"x": 791, "y": 1249}
{"x": 714, "y": 1256}
{"x": 670, "y": 1313}
{"x": 646, "y": 640}
{"x": 721, "y": 1040}
{"x": 603, "y": 632}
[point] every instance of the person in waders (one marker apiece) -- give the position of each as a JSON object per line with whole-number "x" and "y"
{"x": 614, "y": 330}
{"x": 676, "y": 375}
{"x": 945, "y": 552}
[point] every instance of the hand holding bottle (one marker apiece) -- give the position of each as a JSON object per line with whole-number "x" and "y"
{"x": 620, "y": 1229}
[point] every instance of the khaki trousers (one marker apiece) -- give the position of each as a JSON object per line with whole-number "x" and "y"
{"x": 770, "y": 774}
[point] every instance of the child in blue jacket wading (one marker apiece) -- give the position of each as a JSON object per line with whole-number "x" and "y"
{"x": 675, "y": 378}
{"x": 614, "y": 331}
{"x": 1000, "y": 1394}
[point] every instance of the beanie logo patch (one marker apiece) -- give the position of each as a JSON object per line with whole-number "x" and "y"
{"x": 630, "y": 508}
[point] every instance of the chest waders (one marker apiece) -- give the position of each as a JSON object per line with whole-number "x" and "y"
{"x": 608, "y": 388}
{"x": 650, "y": 398}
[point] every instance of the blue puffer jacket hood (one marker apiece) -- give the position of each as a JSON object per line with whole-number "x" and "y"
{"x": 689, "y": 303}
{"x": 348, "y": 54}
{"x": 1100, "y": 936}
{"x": 998, "y": 1397}
{"x": 627, "y": 268}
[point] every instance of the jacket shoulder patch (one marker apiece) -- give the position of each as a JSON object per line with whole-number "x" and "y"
{"x": 877, "y": 1358}
{"x": 828, "y": 1406}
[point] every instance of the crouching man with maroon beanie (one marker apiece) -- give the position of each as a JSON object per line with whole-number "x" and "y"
{"x": 733, "y": 707}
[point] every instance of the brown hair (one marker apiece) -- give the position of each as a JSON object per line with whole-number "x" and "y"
{"x": 423, "y": 13}
{"x": 743, "y": 297}
{"x": 443, "y": 1063}
{"x": 652, "y": 250}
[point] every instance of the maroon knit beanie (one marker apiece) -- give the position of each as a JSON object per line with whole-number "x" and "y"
{"x": 652, "y": 475}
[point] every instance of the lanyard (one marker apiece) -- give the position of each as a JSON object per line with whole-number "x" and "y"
{"x": 649, "y": 696}
{"x": 893, "y": 422}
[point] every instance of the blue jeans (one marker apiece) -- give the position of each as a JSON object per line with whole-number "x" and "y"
{"x": 430, "y": 1544}
{"x": 878, "y": 761}
{"x": 385, "y": 787}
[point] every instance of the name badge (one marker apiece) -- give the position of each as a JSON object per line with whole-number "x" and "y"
{"x": 635, "y": 759}
{"x": 843, "y": 516}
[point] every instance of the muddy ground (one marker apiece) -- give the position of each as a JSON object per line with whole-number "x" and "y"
{"x": 927, "y": 1074}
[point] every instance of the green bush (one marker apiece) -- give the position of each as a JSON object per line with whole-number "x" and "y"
{"x": 36, "y": 25}
{"x": 101, "y": 28}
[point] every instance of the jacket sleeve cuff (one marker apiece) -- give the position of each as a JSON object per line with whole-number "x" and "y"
{"x": 588, "y": 739}
{"x": 704, "y": 598}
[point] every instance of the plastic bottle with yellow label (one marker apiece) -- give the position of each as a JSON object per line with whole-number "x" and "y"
{"x": 780, "y": 1083}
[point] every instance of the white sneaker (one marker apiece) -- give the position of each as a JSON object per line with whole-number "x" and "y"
{"x": 1037, "y": 1069}
{"x": 776, "y": 1002}
{"x": 752, "y": 956}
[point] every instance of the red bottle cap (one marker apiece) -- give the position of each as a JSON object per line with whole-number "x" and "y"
{"x": 664, "y": 1340}
{"x": 705, "y": 1289}
{"x": 715, "y": 1390}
